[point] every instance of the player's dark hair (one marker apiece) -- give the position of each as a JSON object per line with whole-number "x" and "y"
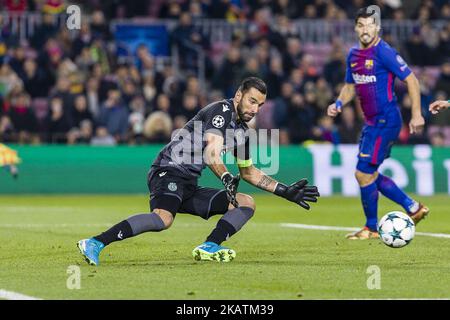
{"x": 253, "y": 82}
{"x": 365, "y": 12}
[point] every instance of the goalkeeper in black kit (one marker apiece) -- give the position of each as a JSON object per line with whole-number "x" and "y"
{"x": 172, "y": 180}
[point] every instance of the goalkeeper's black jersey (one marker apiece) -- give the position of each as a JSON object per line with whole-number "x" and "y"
{"x": 185, "y": 151}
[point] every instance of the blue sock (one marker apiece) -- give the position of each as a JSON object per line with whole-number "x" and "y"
{"x": 369, "y": 199}
{"x": 391, "y": 191}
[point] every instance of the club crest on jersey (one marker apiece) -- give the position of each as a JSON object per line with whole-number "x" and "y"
{"x": 172, "y": 186}
{"x": 368, "y": 64}
{"x": 218, "y": 121}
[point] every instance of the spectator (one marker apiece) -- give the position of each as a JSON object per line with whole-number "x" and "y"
{"x": 149, "y": 88}
{"x": 92, "y": 96}
{"x": 6, "y": 129}
{"x": 99, "y": 27}
{"x": 437, "y": 139}
{"x": 281, "y": 31}
{"x": 274, "y": 78}
{"x": 443, "y": 83}
{"x": 300, "y": 119}
{"x": 58, "y": 122}
{"x": 158, "y": 127}
{"x": 190, "y": 106}
{"x": 85, "y": 61}
{"x": 17, "y": 60}
{"x": 193, "y": 87}
{"x": 227, "y": 77}
{"x": 443, "y": 49}
{"x": 36, "y": 82}
{"x": 83, "y": 40}
{"x": 9, "y": 81}
{"x": 136, "y": 119}
{"x": 130, "y": 91}
{"x": 326, "y": 131}
{"x": 179, "y": 122}
{"x": 281, "y": 108}
{"x": 44, "y": 32}
{"x": 144, "y": 60}
{"x": 16, "y": 6}
{"x": 86, "y": 129}
{"x": 114, "y": 116}
{"x": 349, "y": 128}
{"x": 103, "y": 138}
{"x": 252, "y": 69}
{"x": 334, "y": 69}
{"x": 286, "y": 8}
{"x": 80, "y": 112}
{"x": 293, "y": 54}
{"x": 62, "y": 90}
{"x": 170, "y": 10}
{"x": 189, "y": 40}
{"x": 417, "y": 51}
{"x": 324, "y": 94}
{"x": 23, "y": 119}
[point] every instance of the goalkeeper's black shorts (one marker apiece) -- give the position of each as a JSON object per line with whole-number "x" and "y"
{"x": 172, "y": 192}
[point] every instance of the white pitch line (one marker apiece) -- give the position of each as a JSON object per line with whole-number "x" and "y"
{"x": 314, "y": 227}
{"x": 11, "y": 295}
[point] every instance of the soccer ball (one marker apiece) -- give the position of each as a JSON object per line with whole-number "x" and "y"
{"x": 396, "y": 229}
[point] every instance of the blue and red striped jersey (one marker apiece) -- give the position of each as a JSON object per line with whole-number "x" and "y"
{"x": 373, "y": 71}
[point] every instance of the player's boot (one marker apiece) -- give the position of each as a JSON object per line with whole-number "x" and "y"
{"x": 363, "y": 234}
{"x": 420, "y": 214}
{"x": 90, "y": 249}
{"x": 210, "y": 251}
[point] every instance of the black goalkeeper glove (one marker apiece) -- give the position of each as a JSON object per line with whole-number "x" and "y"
{"x": 298, "y": 192}
{"x": 231, "y": 185}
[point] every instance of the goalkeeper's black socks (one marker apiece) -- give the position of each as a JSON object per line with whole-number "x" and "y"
{"x": 222, "y": 232}
{"x": 131, "y": 227}
{"x": 231, "y": 222}
{"x": 120, "y": 231}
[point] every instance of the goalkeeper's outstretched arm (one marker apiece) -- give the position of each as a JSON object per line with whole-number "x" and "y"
{"x": 298, "y": 192}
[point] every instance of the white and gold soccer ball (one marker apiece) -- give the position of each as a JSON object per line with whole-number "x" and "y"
{"x": 396, "y": 229}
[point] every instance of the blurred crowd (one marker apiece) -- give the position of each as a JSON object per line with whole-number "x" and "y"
{"x": 56, "y": 88}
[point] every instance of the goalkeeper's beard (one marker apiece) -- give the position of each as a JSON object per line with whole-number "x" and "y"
{"x": 246, "y": 117}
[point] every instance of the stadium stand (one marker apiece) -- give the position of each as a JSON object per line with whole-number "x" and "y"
{"x": 298, "y": 47}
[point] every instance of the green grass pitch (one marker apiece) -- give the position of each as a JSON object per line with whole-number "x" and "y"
{"x": 38, "y": 236}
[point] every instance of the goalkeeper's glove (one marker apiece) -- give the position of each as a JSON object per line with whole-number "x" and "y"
{"x": 298, "y": 192}
{"x": 231, "y": 185}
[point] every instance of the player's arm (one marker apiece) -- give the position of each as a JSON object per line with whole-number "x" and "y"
{"x": 213, "y": 159}
{"x": 258, "y": 178}
{"x": 213, "y": 149}
{"x": 395, "y": 64}
{"x": 346, "y": 95}
{"x": 439, "y": 105}
{"x": 417, "y": 121}
{"x": 298, "y": 192}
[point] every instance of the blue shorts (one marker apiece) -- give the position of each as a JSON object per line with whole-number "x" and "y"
{"x": 374, "y": 146}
